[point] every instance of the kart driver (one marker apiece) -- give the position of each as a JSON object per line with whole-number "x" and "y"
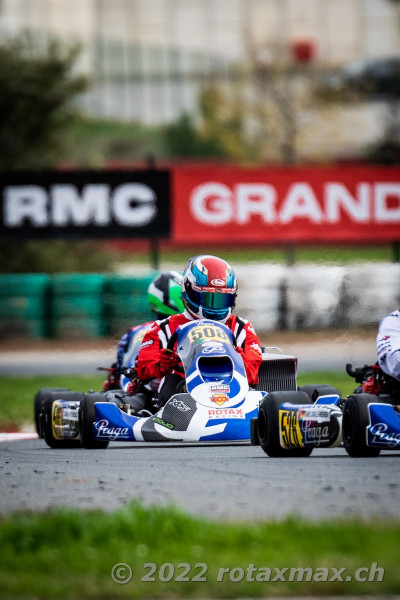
{"x": 164, "y": 297}
{"x": 388, "y": 344}
{"x": 209, "y": 291}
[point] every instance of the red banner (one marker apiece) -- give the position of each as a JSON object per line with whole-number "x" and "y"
{"x": 332, "y": 204}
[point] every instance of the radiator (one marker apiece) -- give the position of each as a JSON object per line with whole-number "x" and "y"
{"x": 277, "y": 373}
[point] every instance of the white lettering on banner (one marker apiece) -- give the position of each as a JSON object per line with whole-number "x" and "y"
{"x": 25, "y": 202}
{"x": 125, "y": 214}
{"x": 255, "y": 198}
{"x": 382, "y": 192}
{"x": 337, "y": 196}
{"x": 301, "y": 202}
{"x": 131, "y": 204}
{"x": 219, "y": 197}
{"x": 216, "y": 204}
{"x": 89, "y": 207}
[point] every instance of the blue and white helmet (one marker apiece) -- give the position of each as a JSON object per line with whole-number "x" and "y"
{"x": 209, "y": 288}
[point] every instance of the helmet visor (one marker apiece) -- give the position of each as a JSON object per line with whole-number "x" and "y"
{"x": 215, "y": 300}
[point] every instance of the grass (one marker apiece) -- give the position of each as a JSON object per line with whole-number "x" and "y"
{"x": 70, "y": 554}
{"x": 17, "y": 393}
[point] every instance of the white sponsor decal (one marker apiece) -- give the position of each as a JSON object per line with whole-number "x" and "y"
{"x": 111, "y": 433}
{"x": 70, "y": 414}
{"x": 179, "y": 404}
{"x": 148, "y": 343}
{"x": 215, "y": 347}
{"x": 129, "y": 204}
{"x": 313, "y": 414}
{"x": 226, "y": 413}
{"x": 380, "y": 434}
{"x": 214, "y": 203}
{"x": 218, "y": 282}
{"x": 316, "y": 434}
{"x": 220, "y": 387}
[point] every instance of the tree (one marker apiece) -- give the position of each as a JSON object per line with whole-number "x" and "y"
{"x": 36, "y": 102}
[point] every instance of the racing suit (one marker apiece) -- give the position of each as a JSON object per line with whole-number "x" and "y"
{"x": 158, "y": 335}
{"x": 388, "y": 344}
{"x": 137, "y": 395}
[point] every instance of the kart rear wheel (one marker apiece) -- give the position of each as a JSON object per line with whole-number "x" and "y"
{"x": 268, "y": 423}
{"x": 355, "y": 421}
{"x": 48, "y": 433}
{"x": 38, "y": 406}
{"x": 315, "y": 390}
{"x": 87, "y": 416}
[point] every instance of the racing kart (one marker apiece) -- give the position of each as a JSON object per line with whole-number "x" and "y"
{"x": 291, "y": 423}
{"x": 371, "y": 415}
{"x": 215, "y": 403}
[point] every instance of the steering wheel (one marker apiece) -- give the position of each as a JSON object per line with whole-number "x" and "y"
{"x": 170, "y": 346}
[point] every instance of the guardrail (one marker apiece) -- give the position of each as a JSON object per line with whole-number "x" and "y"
{"x": 272, "y": 297}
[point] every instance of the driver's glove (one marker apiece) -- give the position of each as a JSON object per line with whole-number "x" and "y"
{"x": 168, "y": 360}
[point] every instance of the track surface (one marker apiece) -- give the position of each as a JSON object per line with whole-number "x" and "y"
{"x": 221, "y": 482}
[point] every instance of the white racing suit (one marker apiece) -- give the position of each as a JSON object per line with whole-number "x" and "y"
{"x": 388, "y": 344}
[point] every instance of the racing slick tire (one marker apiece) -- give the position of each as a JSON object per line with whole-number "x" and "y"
{"x": 38, "y": 407}
{"x": 355, "y": 421}
{"x": 87, "y": 416}
{"x": 48, "y": 433}
{"x": 268, "y": 423}
{"x": 315, "y": 390}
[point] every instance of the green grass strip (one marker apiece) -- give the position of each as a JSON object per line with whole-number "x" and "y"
{"x": 70, "y": 554}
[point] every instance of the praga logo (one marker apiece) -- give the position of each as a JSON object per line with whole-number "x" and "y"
{"x": 378, "y": 435}
{"x": 111, "y": 433}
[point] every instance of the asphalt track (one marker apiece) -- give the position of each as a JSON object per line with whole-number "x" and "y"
{"x": 222, "y": 482}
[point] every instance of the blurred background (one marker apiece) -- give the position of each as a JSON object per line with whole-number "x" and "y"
{"x": 133, "y": 84}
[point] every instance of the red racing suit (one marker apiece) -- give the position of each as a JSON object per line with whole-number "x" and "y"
{"x": 159, "y": 333}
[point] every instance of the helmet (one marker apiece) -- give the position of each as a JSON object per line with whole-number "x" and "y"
{"x": 164, "y": 294}
{"x": 209, "y": 288}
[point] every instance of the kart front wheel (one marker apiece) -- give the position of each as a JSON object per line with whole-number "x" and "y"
{"x": 315, "y": 390}
{"x": 355, "y": 422}
{"x": 268, "y": 424}
{"x": 49, "y": 419}
{"x": 38, "y": 407}
{"x": 87, "y": 416}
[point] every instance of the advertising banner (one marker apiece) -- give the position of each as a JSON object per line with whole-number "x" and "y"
{"x": 280, "y": 204}
{"x": 79, "y": 204}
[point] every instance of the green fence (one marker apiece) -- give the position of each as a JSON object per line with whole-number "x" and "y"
{"x": 71, "y": 305}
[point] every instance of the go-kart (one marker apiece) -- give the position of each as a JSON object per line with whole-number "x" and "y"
{"x": 215, "y": 403}
{"x": 292, "y": 423}
{"x": 371, "y": 415}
